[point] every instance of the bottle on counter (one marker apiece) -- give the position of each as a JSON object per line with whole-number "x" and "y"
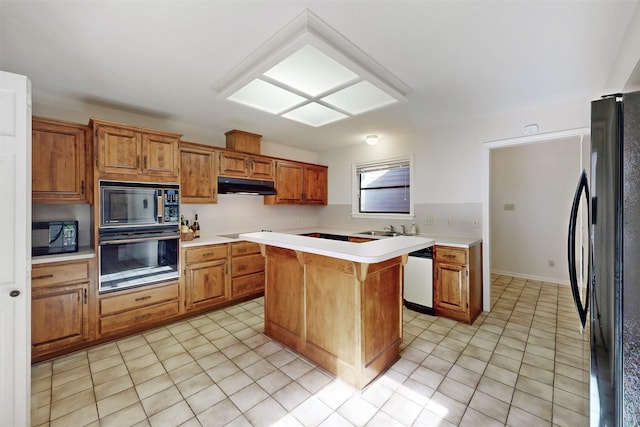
{"x": 196, "y": 227}
{"x": 414, "y": 230}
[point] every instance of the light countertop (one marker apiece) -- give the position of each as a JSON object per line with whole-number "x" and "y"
{"x": 212, "y": 239}
{"x": 377, "y": 250}
{"x": 83, "y": 253}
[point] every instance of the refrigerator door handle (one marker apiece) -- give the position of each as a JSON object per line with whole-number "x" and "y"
{"x": 583, "y": 186}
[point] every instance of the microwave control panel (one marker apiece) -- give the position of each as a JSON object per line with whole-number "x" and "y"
{"x": 171, "y": 206}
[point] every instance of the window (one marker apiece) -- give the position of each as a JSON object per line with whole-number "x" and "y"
{"x": 383, "y": 189}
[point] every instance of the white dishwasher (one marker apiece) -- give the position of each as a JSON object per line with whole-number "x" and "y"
{"x": 418, "y": 281}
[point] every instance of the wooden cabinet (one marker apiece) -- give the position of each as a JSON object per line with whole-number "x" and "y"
{"x": 344, "y": 316}
{"x": 60, "y": 299}
{"x": 61, "y": 155}
{"x": 458, "y": 282}
{"x": 245, "y": 166}
{"x": 247, "y": 269}
{"x": 299, "y": 183}
{"x": 198, "y": 166}
{"x": 205, "y": 276}
{"x": 127, "y": 152}
{"x": 127, "y": 311}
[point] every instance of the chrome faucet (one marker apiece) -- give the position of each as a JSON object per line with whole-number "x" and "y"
{"x": 390, "y": 228}
{"x": 404, "y": 230}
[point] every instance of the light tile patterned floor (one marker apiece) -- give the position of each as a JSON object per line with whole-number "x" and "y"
{"x": 523, "y": 364}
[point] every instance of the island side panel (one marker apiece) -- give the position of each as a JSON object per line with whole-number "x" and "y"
{"x": 284, "y": 297}
{"x": 332, "y": 326}
{"x": 381, "y": 317}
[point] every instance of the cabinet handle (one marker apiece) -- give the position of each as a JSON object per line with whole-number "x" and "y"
{"x": 138, "y": 162}
{"x": 242, "y": 267}
{"x": 44, "y": 276}
{"x": 85, "y": 296}
{"x": 142, "y": 317}
{"x": 143, "y": 298}
{"x": 207, "y": 254}
{"x": 82, "y": 186}
{"x": 145, "y": 162}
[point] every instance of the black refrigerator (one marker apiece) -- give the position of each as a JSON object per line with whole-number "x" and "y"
{"x": 611, "y": 303}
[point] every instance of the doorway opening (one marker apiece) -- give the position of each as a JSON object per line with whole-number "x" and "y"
{"x": 581, "y": 134}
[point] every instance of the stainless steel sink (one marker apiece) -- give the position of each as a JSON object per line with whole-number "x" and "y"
{"x": 380, "y": 233}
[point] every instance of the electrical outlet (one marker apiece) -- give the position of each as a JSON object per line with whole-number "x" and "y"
{"x": 449, "y": 222}
{"x": 428, "y": 220}
{"x": 552, "y": 263}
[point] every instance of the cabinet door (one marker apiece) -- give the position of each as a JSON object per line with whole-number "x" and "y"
{"x": 260, "y": 168}
{"x": 160, "y": 155}
{"x": 206, "y": 284}
{"x": 232, "y": 164}
{"x": 197, "y": 176}
{"x": 118, "y": 150}
{"x": 289, "y": 182}
{"x": 58, "y": 162}
{"x": 59, "y": 317}
{"x": 315, "y": 185}
{"x": 451, "y": 287}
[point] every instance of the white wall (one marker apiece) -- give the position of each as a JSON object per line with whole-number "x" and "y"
{"x": 448, "y": 166}
{"x": 539, "y": 180}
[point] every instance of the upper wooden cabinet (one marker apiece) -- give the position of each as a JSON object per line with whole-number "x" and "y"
{"x": 198, "y": 165}
{"x": 127, "y": 152}
{"x": 299, "y": 183}
{"x": 61, "y": 155}
{"x": 245, "y": 166}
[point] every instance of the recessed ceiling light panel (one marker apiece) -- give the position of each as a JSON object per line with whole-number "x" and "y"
{"x": 315, "y": 115}
{"x": 311, "y": 71}
{"x": 359, "y": 98}
{"x": 266, "y": 97}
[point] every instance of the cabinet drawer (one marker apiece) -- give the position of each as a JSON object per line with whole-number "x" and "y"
{"x": 135, "y": 318}
{"x": 205, "y": 253}
{"x": 244, "y": 248}
{"x": 247, "y": 284}
{"x": 133, "y": 300}
{"x": 247, "y": 264}
{"x": 451, "y": 255}
{"x": 47, "y": 275}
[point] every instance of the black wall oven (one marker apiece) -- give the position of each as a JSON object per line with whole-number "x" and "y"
{"x": 139, "y": 238}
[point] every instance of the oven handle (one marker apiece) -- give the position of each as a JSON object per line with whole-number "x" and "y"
{"x": 160, "y": 206}
{"x": 141, "y": 239}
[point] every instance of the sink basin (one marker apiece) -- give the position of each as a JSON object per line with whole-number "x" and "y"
{"x": 380, "y": 233}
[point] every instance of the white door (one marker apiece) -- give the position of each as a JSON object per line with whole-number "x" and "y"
{"x": 15, "y": 250}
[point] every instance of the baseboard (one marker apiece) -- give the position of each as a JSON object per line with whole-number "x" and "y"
{"x": 532, "y": 277}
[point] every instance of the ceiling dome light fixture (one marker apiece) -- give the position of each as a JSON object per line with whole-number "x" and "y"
{"x": 530, "y": 129}
{"x": 371, "y": 139}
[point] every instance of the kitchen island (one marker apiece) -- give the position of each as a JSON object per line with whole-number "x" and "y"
{"x": 337, "y": 303}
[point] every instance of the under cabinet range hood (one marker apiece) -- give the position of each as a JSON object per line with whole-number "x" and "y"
{"x": 255, "y": 187}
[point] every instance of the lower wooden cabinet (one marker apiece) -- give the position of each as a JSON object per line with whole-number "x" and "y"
{"x": 205, "y": 276}
{"x": 457, "y": 282}
{"x": 60, "y": 300}
{"x": 247, "y": 269}
{"x": 135, "y": 309}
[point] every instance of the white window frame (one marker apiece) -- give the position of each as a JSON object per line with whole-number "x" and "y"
{"x": 355, "y": 190}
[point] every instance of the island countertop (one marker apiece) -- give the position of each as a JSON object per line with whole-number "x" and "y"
{"x": 367, "y": 252}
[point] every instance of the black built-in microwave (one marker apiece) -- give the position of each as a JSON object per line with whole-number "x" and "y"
{"x": 126, "y": 204}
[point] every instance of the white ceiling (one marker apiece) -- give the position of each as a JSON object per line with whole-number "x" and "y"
{"x": 460, "y": 59}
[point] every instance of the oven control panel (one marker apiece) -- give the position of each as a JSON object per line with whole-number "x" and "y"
{"x": 171, "y": 206}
